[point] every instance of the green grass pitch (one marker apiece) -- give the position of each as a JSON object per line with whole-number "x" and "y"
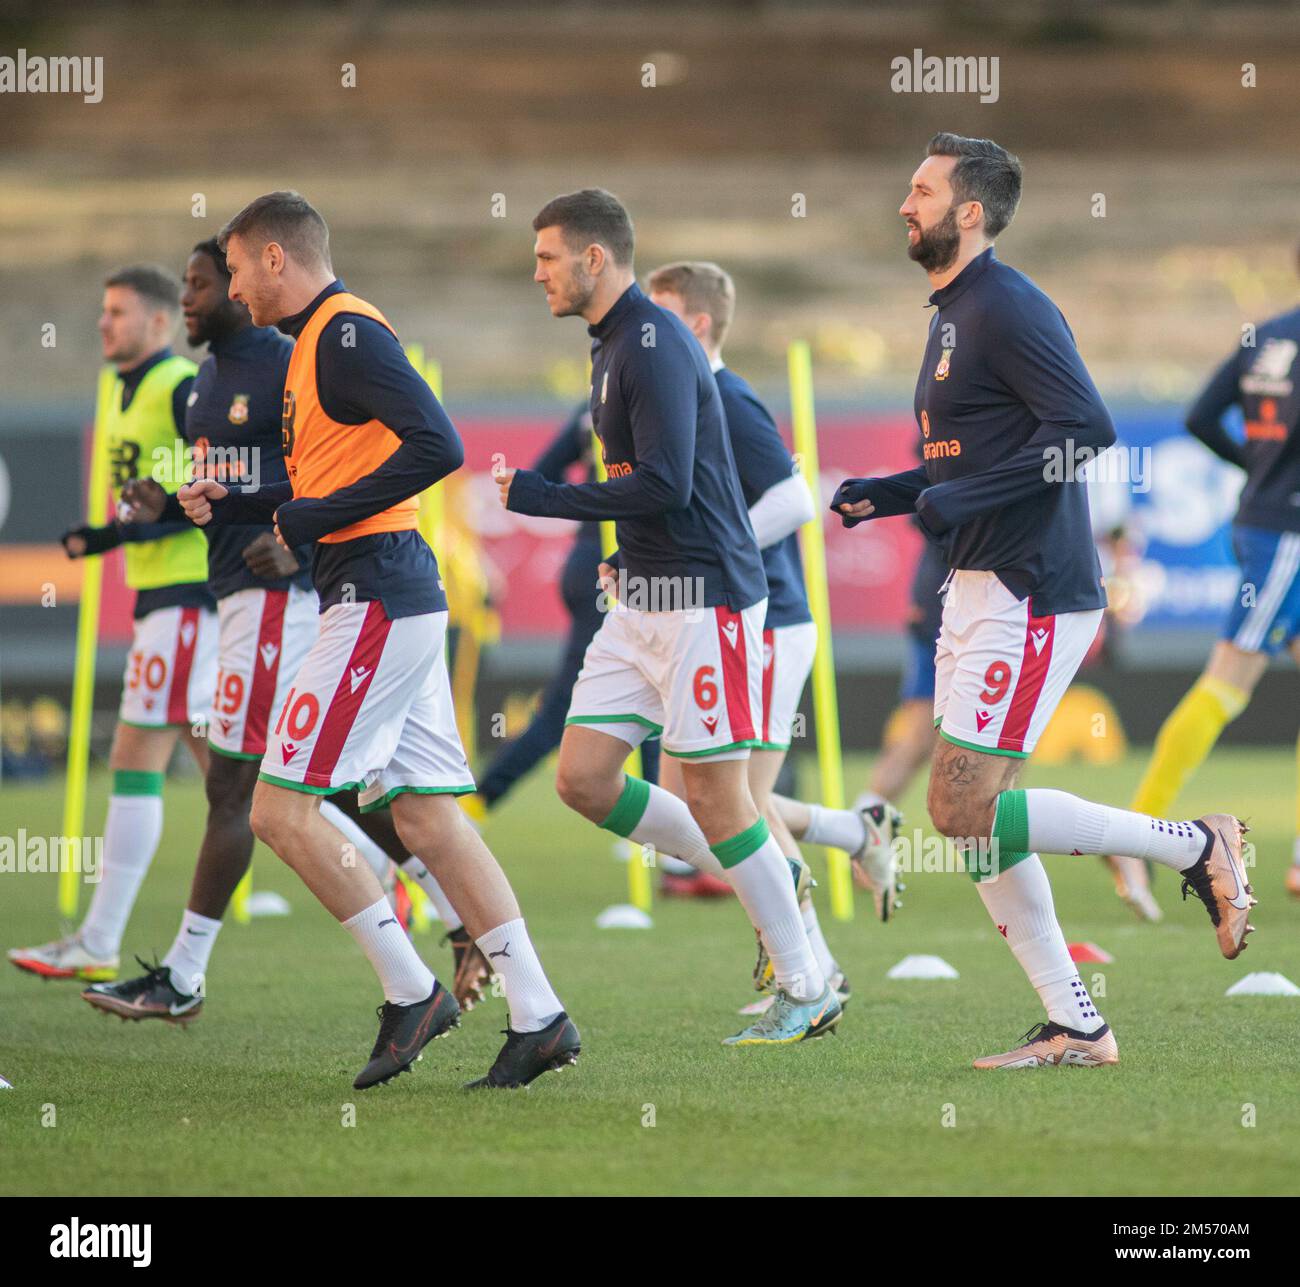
{"x": 253, "y": 1098}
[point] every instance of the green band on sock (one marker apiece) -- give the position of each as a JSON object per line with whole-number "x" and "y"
{"x": 1001, "y": 860}
{"x": 631, "y": 805}
{"x": 1011, "y": 822}
{"x": 738, "y": 848}
{"x": 137, "y": 782}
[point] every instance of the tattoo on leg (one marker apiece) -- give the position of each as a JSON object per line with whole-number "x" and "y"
{"x": 955, "y": 766}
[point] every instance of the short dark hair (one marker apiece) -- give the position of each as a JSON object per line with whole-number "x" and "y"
{"x": 154, "y": 284}
{"x": 985, "y": 173}
{"x": 286, "y": 218}
{"x": 590, "y": 215}
{"x": 213, "y": 250}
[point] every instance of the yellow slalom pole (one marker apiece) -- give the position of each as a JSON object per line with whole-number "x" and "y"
{"x": 826, "y": 711}
{"x": 83, "y": 679}
{"x": 430, "y": 524}
{"x": 640, "y": 888}
{"x": 431, "y": 499}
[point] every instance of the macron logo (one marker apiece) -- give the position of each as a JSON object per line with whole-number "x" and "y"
{"x": 269, "y": 653}
{"x": 732, "y": 631}
{"x": 359, "y": 676}
{"x": 288, "y": 750}
{"x": 187, "y": 633}
{"x": 72, "y": 1241}
{"x": 982, "y": 720}
{"x": 710, "y": 722}
{"x": 1039, "y": 637}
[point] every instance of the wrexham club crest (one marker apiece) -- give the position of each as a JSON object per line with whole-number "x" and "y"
{"x": 941, "y": 371}
{"x": 238, "y": 413}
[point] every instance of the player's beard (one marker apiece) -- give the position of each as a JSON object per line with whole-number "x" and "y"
{"x": 218, "y": 324}
{"x": 936, "y": 248}
{"x": 579, "y": 296}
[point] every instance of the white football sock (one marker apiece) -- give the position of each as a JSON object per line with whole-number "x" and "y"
{"x": 131, "y": 835}
{"x": 190, "y": 953}
{"x": 668, "y": 826}
{"x": 838, "y": 828}
{"x": 376, "y": 859}
{"x": 529, "y": 996}
{"x": 404, "y": 977}
{"x": 426, "y": 880}
{"x": 1020, "y": 902}
{"x": 762, "y": 883}
{"x": 821, "y": 949}
{"x": 1061, "y": 823}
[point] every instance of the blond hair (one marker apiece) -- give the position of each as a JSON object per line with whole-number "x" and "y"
{"x": 704, "y": 288}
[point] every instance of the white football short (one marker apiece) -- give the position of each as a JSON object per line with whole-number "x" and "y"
{"x": 264, "y": 637}
{"x": 370, "y": 708}
{"x": 170, "y": 669}
{"x": 1000, "y": 670}
{"x": 693, "y": 676}
{"x": 788, "y": 653}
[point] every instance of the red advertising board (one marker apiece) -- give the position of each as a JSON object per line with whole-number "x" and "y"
{"x": 869, "y": 568}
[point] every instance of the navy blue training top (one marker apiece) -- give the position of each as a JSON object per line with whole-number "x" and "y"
{"x": 762, "y": 462}
{"x": 233, "y": 418}
{"x": 1261, "y": 380}
{"x": 368, "y": 377}
{"x": 672, "y": 488}
{"x": 1008, "y": 414}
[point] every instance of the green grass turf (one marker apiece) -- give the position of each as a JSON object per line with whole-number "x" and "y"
{"x": 251, "y": 1099}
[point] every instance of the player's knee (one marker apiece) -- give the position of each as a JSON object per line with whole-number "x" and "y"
{"x": 426, "y": 824}
{"x": 582, "y": 793}
{"x": 955, "y": 817}
{"x": 270, "y": 821}
{"x": 228, "y": 788}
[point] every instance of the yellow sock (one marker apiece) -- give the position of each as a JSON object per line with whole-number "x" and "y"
{"x": 1185, "y": 739}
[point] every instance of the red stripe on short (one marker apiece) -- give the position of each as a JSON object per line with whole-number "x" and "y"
{"x": 347, "y": 699}
{"x": 261, "y": 693}
{"x": 769, "y": 680}
{"x": 735, "y": 674}
{"x": 178, "y": 699}
{"x": 1034, "y": 665}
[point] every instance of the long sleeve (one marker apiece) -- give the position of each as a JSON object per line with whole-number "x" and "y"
{"x": 663, "y": 408}
{"x": 780, "y": 510}
{"x": 136, "y": 532}
{"x": 1205, "y": 419}
{"x": 892, "y": 495}
{"x": 247, "y": 506}
{"x": 1037, "y": 359}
